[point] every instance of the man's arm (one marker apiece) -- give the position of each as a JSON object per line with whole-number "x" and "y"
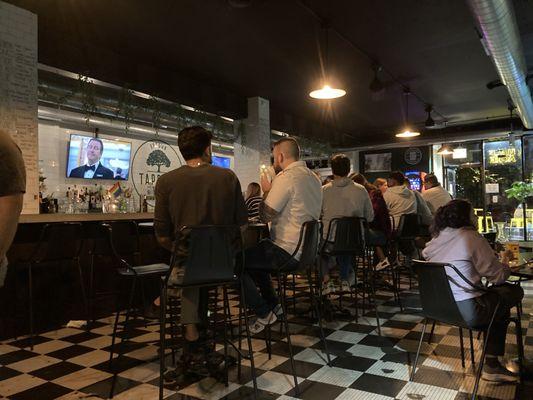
{"x": 165, "y": 242}
{"x": 266, "y": 213}
{"x": 10, "y": 208}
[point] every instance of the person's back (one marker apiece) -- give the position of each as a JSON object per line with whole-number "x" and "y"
{"x": 436, "y": 197}
{"x": 344, "y": 198}
{"x": 400, "y": 200}
{"x": 297, "y": 197}
{"x": 203, "y": 195}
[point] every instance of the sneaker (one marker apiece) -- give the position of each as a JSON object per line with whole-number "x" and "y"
{"x": 328, "y": 288}
{"x": 278, "y": 310}
{"x": 152, "y": 311}
{"x": 382, "y": 264}
{"x": 260, "y": 323}
{"x": 345, "y": 286}
{"x": 498, "y": 374}
{"x": 351, "y": 278}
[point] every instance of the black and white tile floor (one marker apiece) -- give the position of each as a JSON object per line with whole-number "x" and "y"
{"x": 72, "y": 364}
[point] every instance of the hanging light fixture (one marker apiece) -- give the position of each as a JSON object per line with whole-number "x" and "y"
{"x": 376, "y": 85}
{"x": 407, "y": 132}
{"x": 445, "y": 150}
{"x": 429, "y": 121}
{"x": 326, "y": 92}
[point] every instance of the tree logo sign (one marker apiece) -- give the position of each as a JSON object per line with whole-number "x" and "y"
{"x": 152, "y": 159}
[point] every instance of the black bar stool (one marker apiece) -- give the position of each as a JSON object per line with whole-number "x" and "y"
{"x": 59, "y": 243}
{"x": 207, "y": 257}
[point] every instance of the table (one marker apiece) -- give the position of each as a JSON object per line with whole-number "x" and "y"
{"x": 525, "y": 273}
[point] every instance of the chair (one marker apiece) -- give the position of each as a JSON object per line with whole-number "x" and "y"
{"x": 58, "y": 243}
{"x": 438, "y": 304}
{"x": 408, "y": 230}
{"x": 132, "y": 275}
{"x": 207, "y": 255}
{"x": 308, "y": 244}
{"x": 125, "y": 242}
{"x": 349, "y": 239}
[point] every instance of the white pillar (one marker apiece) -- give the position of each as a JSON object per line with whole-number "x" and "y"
{"x": 18, "y": 91}
{"x": 252, "y": 148}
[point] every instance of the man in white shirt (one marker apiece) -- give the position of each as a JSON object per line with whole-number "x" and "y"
{"x": 342, "y": 197}
{"x": 434, "y": 195}
{"x": 291, "y": 199}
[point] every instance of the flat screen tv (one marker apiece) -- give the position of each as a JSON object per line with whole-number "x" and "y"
{"x": 224, "y": 162}
{"x": 97, "y": 158}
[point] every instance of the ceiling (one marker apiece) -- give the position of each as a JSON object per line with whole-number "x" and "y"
{"x": 212, "y": 55}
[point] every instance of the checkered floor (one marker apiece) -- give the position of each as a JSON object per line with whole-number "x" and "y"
{"x": 72, "y": 364}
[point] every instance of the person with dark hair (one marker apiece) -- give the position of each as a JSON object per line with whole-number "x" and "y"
{"x": 196, "y": 193}
{"x": 93, "y": 169}
{"x": 253, "y": 200}
{"x": 292, "y": 198}
{"x": 457, "y": 242}
{"x": 342, "y": 198}
{"x": 401, "y": 200}
{"x": 434, "y": 195}
{"x": 380, "y": 230}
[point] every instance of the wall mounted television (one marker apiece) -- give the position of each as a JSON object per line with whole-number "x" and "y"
{"x": 98, "y": 158}
{"x": 219, "y": 161}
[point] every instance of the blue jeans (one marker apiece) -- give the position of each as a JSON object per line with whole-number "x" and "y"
{"x": 260, "y": 261}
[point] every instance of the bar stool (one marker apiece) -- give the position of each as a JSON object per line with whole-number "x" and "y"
{"x": 125, "y": 244}
{"x": 134, "y": 276}
{"x": 59, "y": 243}
{"x": 404, "y": 241}
{"x": 207, "y": 257}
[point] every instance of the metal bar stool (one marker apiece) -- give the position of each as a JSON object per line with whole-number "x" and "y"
{"x": 58, "y": 243}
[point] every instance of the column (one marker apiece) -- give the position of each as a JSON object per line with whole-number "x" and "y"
{"x": 18, "y": 91}
{"x": 252, "y": 148}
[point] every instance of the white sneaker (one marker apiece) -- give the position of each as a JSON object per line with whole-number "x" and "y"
{"x": 278, "y": 310}
{"x": 260, "y": 323}
{"x": 382, "y": 264}
{"x": 345, "y": 287}
{"x": 351, "y": 278}
{"x": 328, "y": 288}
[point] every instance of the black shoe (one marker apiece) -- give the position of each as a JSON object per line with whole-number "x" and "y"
{"x": 498, "y": 374}
{"x": 152, "y": 311}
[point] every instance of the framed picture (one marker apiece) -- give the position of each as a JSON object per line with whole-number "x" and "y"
{"x": 380, "y": 162}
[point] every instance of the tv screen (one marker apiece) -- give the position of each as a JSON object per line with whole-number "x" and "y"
{"x": 219, "y": 161}
{"x": 97, "y": 158}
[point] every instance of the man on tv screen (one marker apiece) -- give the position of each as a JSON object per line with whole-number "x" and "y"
{"x": 94, "y": 168}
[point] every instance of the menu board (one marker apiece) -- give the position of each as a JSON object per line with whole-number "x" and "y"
{"x": 18, "y": 91}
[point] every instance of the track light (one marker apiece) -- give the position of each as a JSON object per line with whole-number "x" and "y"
{"x": 376, "y": 85}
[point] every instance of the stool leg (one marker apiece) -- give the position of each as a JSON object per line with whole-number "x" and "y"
{"x": 481, "y": 362}
{"x": 225, "y": 337}
{"x": 472, "y": 357}
{"x": 430, "y": 338}
{"x": 413, "y": 372}
{"x": 319, "y": 317}
{"x": 462, "y": 347}
{"x": 83, "y": 293}
{"x": 239, "y": 358}
{"x": 30, "y": 303}
{"x": 249, "y": 340}
{"x": 286, "y": 323}
{"x": 162, "y": 335}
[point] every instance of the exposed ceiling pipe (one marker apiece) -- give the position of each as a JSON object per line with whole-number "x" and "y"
{"x": 499, "y": 29}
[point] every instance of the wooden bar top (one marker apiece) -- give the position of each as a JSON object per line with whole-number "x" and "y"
{"x": 49, "y": 218}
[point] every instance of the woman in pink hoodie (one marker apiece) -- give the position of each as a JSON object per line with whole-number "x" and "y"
{"x": 457, "y": 242}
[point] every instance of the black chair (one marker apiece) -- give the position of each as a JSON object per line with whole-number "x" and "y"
{"x": 346, "y": 236}
{"x": 58, "y": 243}
{"x": 404, "y": 241}
{"x": 131, "y": 275}
{"x": 208, "y": 256}
{"x": 308, "y": 246}
{"x": 438, "y": 304}
{"x": 125, "y": 243}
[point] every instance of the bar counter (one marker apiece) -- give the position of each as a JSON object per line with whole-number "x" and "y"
{"x": 85, "y": 217}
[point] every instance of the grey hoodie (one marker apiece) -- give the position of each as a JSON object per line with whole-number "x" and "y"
{"x": 401, "y": 200}
{"x": 345, "y": 198}
{"x": 471, "y": 254}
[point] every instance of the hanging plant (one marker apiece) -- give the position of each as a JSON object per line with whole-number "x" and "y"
{"x": 86, "y": 89}
{"x": 155, "y": 108}
{"x": 520, "y": 191}
{"x": 126, "y": 106}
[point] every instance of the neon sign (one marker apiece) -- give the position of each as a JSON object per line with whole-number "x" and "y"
{"x": 502, "y": 156}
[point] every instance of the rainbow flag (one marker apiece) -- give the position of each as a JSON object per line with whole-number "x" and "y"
{"x": 115, "y": 190}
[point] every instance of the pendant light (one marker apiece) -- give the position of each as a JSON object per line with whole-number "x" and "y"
{"x": 407, "y": 132}
{"x": 326, "y": 92}
{"x": 445, "y": 150}
{"x": 429, "y": 121}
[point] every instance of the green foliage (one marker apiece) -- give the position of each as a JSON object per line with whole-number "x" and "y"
{"x": 126, "y": 106}
{"x": 87, "y": 90}
{"x": 468, "y": 185}
{"x": 158, "y": 158}
{"x": 520, "y": 191}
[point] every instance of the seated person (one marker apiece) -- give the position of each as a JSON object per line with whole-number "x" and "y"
{"x": 380, "y": 230}
{"x": 400, "y": 200}
{"x": 197, "y": 193}
{"x": 292, "y": 198}
{"x": 253, "y": 200}
{"x": 381, "y": 184}
{"x": 434, "y": 195}
{"x": 342, "y": 197}
{"x": 456, "y": 241}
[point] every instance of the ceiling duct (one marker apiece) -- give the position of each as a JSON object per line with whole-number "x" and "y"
{"x": 498, "y": 26}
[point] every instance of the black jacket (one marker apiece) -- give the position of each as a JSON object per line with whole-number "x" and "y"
{"x": 100, "y": 173}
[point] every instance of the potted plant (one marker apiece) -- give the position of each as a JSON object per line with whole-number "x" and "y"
{"x": 520, "y": 191}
